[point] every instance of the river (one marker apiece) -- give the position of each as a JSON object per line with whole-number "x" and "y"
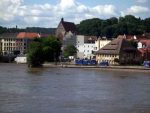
{"x": 64, "y": 90}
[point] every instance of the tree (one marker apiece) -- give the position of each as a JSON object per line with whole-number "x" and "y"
{"x": 35, "y": 55}
{"x": 43, "y": 49}
{"x": 70, "y": 50}
{"x": 146, "y": 24}
{"x": 129, "y": 25}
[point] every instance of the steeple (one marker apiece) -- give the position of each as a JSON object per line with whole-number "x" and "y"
{"x": 62, "y": 19}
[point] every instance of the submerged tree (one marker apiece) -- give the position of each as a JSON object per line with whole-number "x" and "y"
{"x": 43, "y": 49}
{"x": 35, "y": 55}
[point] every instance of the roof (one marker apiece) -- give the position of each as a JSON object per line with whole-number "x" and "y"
{"x": 144, "y": 50}
{"x": 145, "y": 41}
{"x": 116, "y": 46}
{"x": 8, "y": 35}
{"x": 69, "y": 26}
{"x": 90, "y": 39}
{"x": 27, "y": 35}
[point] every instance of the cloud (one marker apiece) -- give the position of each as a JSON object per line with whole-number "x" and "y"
{"x": 135, "y": 10}
{"x": 104, "y": 10}
{"x": 9, "y": 8}
{"x": 48, "y": 15}
{"x": 141, "y": 1}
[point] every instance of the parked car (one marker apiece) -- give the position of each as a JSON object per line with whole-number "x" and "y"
{"x": 146, "y": 63}
{"x": 104, "y": 63}
{"x": 85, "y": 62}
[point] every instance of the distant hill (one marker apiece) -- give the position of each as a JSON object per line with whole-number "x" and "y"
{"x": 41, "y": 30}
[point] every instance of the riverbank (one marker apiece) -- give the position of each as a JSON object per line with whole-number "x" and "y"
{"x": 122, "y": 68}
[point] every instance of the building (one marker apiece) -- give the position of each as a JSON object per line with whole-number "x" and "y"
{"x": 69, "y": 39}
{"x": 23, "y": 40}
{"x": 144, "y": 49}
{"x": 101, "y": 42}
{"x": 119, "y": 50}
{"x": 85, "y": 46}
{"x": 8, "y": 43}
{"x": 64, "y": 28}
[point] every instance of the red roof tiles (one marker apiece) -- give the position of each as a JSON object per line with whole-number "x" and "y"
{"x": 27, "y": 35}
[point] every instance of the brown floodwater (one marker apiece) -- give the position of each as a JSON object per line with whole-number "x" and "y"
{"x": 64, "y": 90}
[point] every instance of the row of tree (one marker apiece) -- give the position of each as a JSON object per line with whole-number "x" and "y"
{"x": 112, "y": 27}
{"x": 28, "y": 29}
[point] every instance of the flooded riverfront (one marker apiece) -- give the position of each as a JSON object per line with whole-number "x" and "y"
{"x": 65, "y": 90}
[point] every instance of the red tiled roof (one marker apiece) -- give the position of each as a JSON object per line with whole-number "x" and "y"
{"x": 27, "y": 35}
{"x": 145, "y": 41}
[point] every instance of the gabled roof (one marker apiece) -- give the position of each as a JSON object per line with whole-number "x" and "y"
{"x": 69, "y": 26}
{"x": 28, "y": 35}
{"x": 8, "y": 35}
{"x": 116, "y": 46}
{"x": 111, "y": 48}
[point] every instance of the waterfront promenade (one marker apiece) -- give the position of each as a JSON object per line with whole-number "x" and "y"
{"x": 122, "y": 68}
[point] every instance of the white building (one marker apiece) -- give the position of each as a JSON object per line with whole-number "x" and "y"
{"x": 85, "y": 46}
{"x": 88, "y": 45}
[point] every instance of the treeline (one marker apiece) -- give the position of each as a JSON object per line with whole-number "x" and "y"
{"x": 112, "y": 27}
{"x": 10, "y": 30}
{"x": 28, "y": 29}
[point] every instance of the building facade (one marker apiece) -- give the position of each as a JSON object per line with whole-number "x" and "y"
{"x": 8, "y": 43}
{"x": 85, "y": 46}
{"x": 23, "y": 40}
{"x": 100, "y": 42}
{"x": 117, "y": 51}
{"x": 64, "y": 28}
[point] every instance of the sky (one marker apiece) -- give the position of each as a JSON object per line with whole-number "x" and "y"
{"x": 48, "y": 13}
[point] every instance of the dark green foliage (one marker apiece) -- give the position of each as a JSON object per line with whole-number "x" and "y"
{"x": 90, "y": 27}
{"x": 43, "y": 49}
{"x": 146, "y": 24}
{"x": 133, "y": 43}
{"x": 41, "y": 30}
{"x": 111, "y": 28}
{"x": 70, "y": 50}
{"x": 35, "y": 54}
{"x": 10, "y": 30}
{"x": 28, "y": 29}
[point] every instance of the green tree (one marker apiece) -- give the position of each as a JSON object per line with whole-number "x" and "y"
{"x": 43, "y": 49}
{"x": 70, "y": 50}
{"x": 35, "y": 55}
{"x": 112, "y": 27}
{"x": 90, "y": 27}
{"x": 146, "y": 25}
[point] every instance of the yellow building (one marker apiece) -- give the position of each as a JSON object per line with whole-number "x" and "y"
{"x": 117, "y": 51}
{"x": 99, "y": 43}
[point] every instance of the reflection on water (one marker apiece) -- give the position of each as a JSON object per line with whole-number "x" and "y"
{"x": 60, "y": 90}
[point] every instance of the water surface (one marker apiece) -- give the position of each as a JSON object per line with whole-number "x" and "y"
{"x": 62, "y": 90}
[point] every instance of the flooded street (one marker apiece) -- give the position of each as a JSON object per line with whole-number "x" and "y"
{"x": 62, "y": 90}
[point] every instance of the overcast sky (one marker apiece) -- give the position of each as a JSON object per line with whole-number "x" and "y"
{"x": 47, "y": 13}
